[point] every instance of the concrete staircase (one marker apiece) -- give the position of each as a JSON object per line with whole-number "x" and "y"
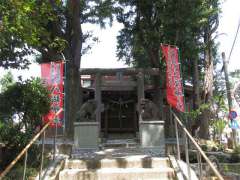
{"x": 110, "y": 166}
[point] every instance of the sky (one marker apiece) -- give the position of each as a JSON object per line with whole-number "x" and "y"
{"x": 103, "y": 54}
{"x": 228, "y": 26}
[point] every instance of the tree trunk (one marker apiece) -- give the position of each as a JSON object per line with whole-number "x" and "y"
{"x": 196, "y": 96}
{"x": 73, "y": 55}
{"x": 157, "y": 80}
{"x": 196, "y": 85}
{"x": 72, "y": 103}
{"x": 207, "y": 89}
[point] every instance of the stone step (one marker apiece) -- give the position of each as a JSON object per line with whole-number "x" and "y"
{"x": 138, "y": 161}
{"x": 118, "y": 174}
{"x": 116, "y": 143}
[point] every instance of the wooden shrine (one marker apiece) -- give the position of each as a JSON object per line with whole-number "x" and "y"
{"x": 117, "y": 101}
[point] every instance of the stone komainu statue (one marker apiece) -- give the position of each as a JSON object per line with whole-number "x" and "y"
{"x": 149, "y": 110}
{"x": 87, "y": 112}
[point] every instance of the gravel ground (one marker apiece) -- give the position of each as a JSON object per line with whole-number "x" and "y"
{"x": 128, "y": 147}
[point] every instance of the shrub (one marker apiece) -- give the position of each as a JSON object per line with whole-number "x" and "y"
{"x": 235, "y": 157}
{"x": 204, "y": 147}
{"x": 22, "y": 106}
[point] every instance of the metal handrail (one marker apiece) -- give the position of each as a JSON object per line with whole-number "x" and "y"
{"x": 200, "y": 151}
{"x": 25, "y": 150}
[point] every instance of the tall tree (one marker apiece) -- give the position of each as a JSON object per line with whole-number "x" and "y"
{"x": 149, "y": 23}
{"x": 50, "y": 28}
{"x": 210, "y": 26}
{"x": 190, "y": 25}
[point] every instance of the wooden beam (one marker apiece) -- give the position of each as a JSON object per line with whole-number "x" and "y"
{"x": 125, "y": 71}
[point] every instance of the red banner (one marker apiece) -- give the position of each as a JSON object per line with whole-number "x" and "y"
{"x": 52, "y": 75}
{"x": 175, "y": 96}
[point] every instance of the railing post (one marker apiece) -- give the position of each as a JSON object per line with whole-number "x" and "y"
{"x": 25, "y": 165}
{"x": 187, "y": 156}
{"x": 42, "y": 155}
{"x": 177, "y": 138}
{"x": 54, "y": 142}
{"x": 199, "y": 158}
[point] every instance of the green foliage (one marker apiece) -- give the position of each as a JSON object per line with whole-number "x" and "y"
{"x": 219, "y": 126}
{"x": 23, "y": 29}
{"x": 6, "y": 81}
{"x": 189, "y": 25}
{"x": 22, "y": 105}
{"x": 233, "y": 168}
{"x": 193, "y": 114}
{"x": 204, "y": 147}
{"x": 25, "y": 100}
{"x": 211, "y": 146}
{"x": 139, "y": 40}
{"x": 17, "y": 173}
{"x": 149, "y": 23}
{"x": 30, "y": 27}
{"x": 235, "y": 156}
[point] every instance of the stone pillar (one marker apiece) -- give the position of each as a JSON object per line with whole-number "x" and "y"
{"x": 140, "y": 90}
{"x": 140, "y": 95}
{"x": 98, "y": 99}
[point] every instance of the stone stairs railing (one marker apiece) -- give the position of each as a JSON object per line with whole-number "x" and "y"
{"x": 199, "y": 152}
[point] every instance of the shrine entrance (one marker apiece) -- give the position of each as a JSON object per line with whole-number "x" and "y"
{"x": 117, "y": 100}
{"x": 119, "y": 115}
{"x": 120, "y": 104}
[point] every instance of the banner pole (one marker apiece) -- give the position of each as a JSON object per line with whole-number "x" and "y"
{"x": 55, "y": 136}
{"x": 65, "y": 94}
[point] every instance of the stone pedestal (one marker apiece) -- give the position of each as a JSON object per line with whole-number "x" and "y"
{"x": 86, "y": 134}
{"x": 152, "y": 135}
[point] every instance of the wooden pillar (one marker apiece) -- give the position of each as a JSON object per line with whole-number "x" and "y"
{"x": 161, "y": 95}
{"x": 106, "y": 124}
{"x": 98, "y": 99}
{"x": 140, "y": 91}
{"x": 135, "y": 124}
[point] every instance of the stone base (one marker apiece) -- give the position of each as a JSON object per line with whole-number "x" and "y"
{"x": 86, "y": 134}
{"x": 152, "y": 135}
